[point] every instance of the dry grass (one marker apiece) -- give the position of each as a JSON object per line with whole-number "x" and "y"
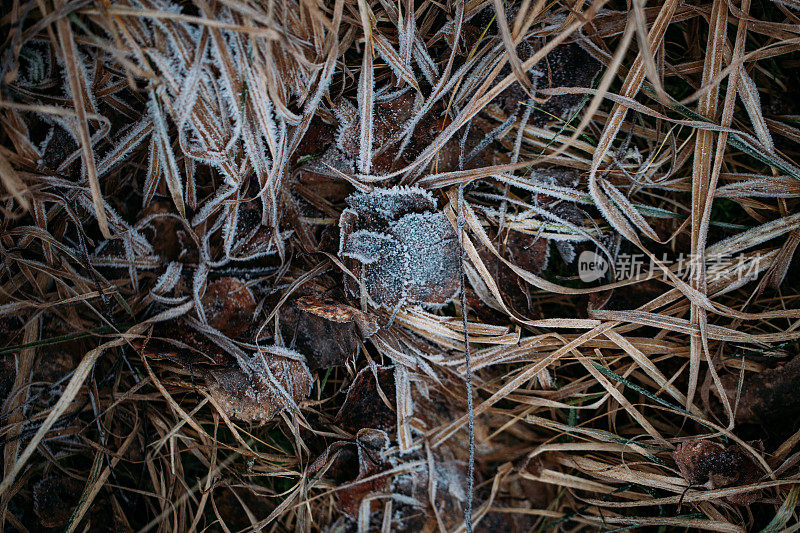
{"x": 205, "y": 330}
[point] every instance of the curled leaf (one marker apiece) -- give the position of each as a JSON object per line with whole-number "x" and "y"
{"x": 338, "y": 312}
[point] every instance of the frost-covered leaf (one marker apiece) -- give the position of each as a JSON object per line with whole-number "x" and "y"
{"x": 337, "y": 461}
{"x": 264, "y": 391}
{"x": 567, "y": 65}
{"x": 368, "y": 247}
{"x": 529, "y": 252}
{"x": 703, "y": 462}
{"x": 432, "y": 261}
{"x": 408, "y": 253}
{"x": 391, "y": 118}
{"x": 390, "y": 204}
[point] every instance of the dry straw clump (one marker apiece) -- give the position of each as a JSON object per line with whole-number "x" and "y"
{"x": 395, "y": 265}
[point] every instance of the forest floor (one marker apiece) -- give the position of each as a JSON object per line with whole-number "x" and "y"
{"x": 403, "y": 266}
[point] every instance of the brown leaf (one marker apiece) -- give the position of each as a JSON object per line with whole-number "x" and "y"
{"x": 54, "y": 498}
{"x": 704, "y": 462}
{"x": 229, "y": 306}
{"x": 338, "y": 312}
{"x": 178, "y": 342}
{"x": 252, "y": 237}
{"x": 768, "y": 397}
{"x": 166, "y": 233}
{"x": 316, "y": 140}
{"x": 364, "y": 407}
{"x": 337, "y": 462}
{"x": 325, "y": 343}
{"x": 567, "y": 65}
{"x": 389, "y": 119}
{"x": 526, "y": 251}
{"x": 261, "y": 393}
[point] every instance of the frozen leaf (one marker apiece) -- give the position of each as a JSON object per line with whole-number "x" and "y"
{"x": 400, "y": 247}
{"x": 229, "y": 306}
{"x": 430, "y": 249}
{"x": 372, "y": 445}
{"x": 390, "y": 118}
{"x": 567, "y": 65}
{"x": 389, "y": 204}
{"x": 308, "y": 327}
{"x": 260, "y": 392}
{"x": 442, "y": 487}
{"x": 337, "y": 463}
{"x": 428, "y": 488}
{"x": 364, "y": 406}
{"x": 702, "y": 462}
{"x": 567, "y": 251}
{"x": 368, "y": 247}
{"x": 251, "y": 238}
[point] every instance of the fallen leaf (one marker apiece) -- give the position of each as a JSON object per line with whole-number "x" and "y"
{"x": 326, "y": 343}
{"x": 178, "y": 342}
{"x": 261, "y": 391}
{"x": 526, "y": 251}
{"x": 702, "y": 462}
{"x": 364, "y": 407}
{"x": 358, "y": 467}
{"x": 166, "y": 233}
{"x": 400, "y": 247}
{"x": 251, "y": 236}
{"x": 54, "y": 498}
{"x": 336, "y": 462}
{"x": 338, "y": 312}
{"x": 567, "y": 65}
{"x": 229, "y": 306}
{"x": 768, "y": 397}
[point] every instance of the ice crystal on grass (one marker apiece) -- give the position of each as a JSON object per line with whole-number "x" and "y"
{"x": 400, "y": 247}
